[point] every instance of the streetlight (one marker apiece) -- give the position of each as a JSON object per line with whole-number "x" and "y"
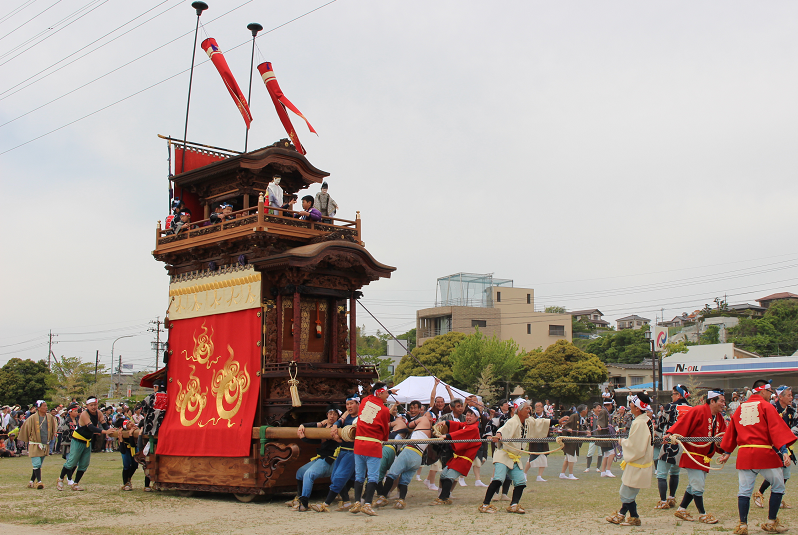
{"x": 112, "y": 355}
{"x": 652, "y": 342}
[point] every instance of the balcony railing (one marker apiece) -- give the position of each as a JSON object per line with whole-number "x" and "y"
{"x": 429, "y": 333}
{"x": 256, "y": 219}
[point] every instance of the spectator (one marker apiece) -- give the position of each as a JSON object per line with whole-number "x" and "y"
{"x": 289, "y": 206}
{"x": 67, "y": 427}
{"x": 217, "y": 216}
{"x": 325, "y": 204}
{"x": 3, "y": 451}
{"x": 184, "y": 223}
{"x": 308, "y": 211}
{"x": 5, "y": 418}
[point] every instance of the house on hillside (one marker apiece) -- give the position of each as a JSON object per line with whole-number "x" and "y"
{"x": 756, "y": 311}
{"x": 593, "y": 316}
{"x": 677, "y": 321}
{"x": 632, "y": 322}
{"x": 781, "y": 296}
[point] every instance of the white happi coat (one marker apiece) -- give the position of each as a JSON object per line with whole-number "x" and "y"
{"x": 638, "y": 454}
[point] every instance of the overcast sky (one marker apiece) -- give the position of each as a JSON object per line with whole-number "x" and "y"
{"x": 629, "y": 156}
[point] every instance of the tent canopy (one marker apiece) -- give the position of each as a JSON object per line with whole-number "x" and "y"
{"x": 419, "y": 388}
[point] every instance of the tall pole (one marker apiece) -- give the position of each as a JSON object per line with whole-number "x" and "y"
{"x": 157, "y": 331}
{"x": 112, "y": 354}
{"x": 254, "y": 27}
{"x": 96, "y": 365}
{"x": 200, "y": 7}
{"x": 49, "y": 349}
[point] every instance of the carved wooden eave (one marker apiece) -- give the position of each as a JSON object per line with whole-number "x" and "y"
{"x": 334, "y": 264}
{"x": 250, "y": 172}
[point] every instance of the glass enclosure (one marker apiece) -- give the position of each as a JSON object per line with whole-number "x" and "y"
{"x": 468, "y": 289}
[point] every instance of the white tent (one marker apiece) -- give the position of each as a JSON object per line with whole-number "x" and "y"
{"x": 419, "y": 388}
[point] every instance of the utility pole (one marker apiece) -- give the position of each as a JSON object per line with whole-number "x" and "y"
{"x": 96, "y": 365}
{"x": 50, "y": 350}
{"x": 157, "y": 331}
{"x": 118, "y": 376}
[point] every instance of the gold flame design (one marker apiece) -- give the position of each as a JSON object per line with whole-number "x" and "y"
{"x": 190, "y": 400}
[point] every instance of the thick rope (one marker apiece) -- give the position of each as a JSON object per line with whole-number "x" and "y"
{"x": 536, "y": 440}
{"x": 677, "y": 439}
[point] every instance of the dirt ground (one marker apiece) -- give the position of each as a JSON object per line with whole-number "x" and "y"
{"x": 556, "y": 506}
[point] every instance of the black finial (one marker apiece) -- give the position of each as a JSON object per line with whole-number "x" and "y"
{"x": 200, "y": 7}
{"x": 254, "y": 27}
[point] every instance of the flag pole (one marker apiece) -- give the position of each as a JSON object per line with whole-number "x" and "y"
{"x": 200, "y": 7}
{"x": 254, "y": 27}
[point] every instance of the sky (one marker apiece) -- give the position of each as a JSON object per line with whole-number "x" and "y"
{"x": 622, "y": 155}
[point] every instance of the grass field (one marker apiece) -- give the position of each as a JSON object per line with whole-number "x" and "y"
{"x": 557, "y": 506}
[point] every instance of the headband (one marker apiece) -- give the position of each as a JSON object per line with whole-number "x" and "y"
{"x": 683, "y": 391}
{"x": 640, "y": 404}
{"x": 475, "y": 411}
{"x": 519, "y": 403}
{"x": 91, "y": 400}
{"x": 765, "y": 386}
{"x": 782, "y": 388}
{"x": 40, "y": 403}
{"x": 353, "y": 398}
{"x": 714, "y": 394}
{"x": 379, "y": 391}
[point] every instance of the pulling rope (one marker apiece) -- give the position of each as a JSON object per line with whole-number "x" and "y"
{"x": 559, "y": 439}
{"x": 677, "y": 439}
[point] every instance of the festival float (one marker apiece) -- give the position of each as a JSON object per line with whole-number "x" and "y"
{"x": 261, "y": 314}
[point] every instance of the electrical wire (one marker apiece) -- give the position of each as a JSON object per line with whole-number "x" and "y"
{"x": 20, "y": 343}
{"x": 87, "y": 53}
{"x": 30, "y": 19}
{"x": 153, "y": 85}
{"x": 16, "y": 55}
{"x": 15, "y": 11}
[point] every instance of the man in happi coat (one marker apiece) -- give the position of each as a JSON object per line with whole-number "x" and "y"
{"x": 784, "y": 407}
{"x": 464, "y": 452}
{"x": 704, "y": 420}
{"x": 507, "y": 460}
{"x": 763, "y": 438}
{"x": 668, "y": 462}
{"x": 373, "y": 427}
{"x": 638, "y": 457}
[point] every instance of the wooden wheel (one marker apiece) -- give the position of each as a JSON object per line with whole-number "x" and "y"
{"x": 244, "y": 498}
{"x": 185, "y": 493}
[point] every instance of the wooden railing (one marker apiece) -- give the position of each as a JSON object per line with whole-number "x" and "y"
{"x": 256, "y": 219}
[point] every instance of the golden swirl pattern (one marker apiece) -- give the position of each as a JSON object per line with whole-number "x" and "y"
{"x": 229, "y": 386}
{"x": 190, "y": 400}
{"x": 203, "y": 348}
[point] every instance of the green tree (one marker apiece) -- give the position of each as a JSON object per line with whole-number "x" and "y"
{"x": 582, "y": 326}
{"x": 486, "y": 386}
{"x": 374, "y": 345}
{"x": 554, "y": 310}
{"x": 711, "y": 335}
{"x": 476, "y": 352}
{"x": 672, "y": 348}
{"x": 382, "y": 366}
{"x": 628, "y": 346}
{"x": 563, "y": 372}
{"x": 72, "y": 378}
{"x": 22, "y": 382}
{"x": 410, "y": 336}
{"x": 776, "y": 333}
{"x": 435, "y": 355}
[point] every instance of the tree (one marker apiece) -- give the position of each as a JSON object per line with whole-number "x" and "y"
{"x": 555, "y": 310}
{"x": 563, "y": 372}
{"x": 774, "y": 333}
{"x": 72, "y": 378}
{"x": 410, "y": 336}
{"x": 374, "y": 345}
{"x": 382, "y": 366}
{"x": 672, "y": 348}
{"x": 22, "y": 382}
{"x": 582, "y": 326}
{"x": 486, "y": 386}
{"x": 711, "y": 335}
{"x": 629, "y": 346}
{"x": 476, "y": 352}
{"x": 434, "y": 354}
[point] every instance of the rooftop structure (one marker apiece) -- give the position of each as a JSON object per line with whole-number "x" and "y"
{"x": 468, "y": 289}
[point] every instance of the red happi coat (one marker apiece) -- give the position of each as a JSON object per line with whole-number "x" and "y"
{"x": 373, "y": 421}
{"x": 697, "y": 422}
{"x": 757, "y": 422}
{"x": 462, "y": 431}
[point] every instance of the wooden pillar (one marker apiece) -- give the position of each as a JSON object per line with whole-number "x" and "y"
{"x": 246, "y": 201}
{"x": 352, "y": 331}
{"x": 279, "y": 324}
{"x": 207, "y": 211}
{"x": 297, "y": 325}
{"x": 333, "y": 314}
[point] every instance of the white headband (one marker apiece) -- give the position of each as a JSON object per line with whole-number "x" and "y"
{"x": 713, "y": 394}
{"x": 640, "y": 404}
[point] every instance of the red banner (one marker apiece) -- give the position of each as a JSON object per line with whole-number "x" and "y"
{"x": 212, "y": 49}
{"x": 213, "y": 385}
{"x": 281, "y": 102}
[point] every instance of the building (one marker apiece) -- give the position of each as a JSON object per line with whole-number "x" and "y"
{"x": 677, "y": 321}
{"x": 781, "y": 296}
{"x": 726, "y": 366}
{"x": 755, "y": 311}
{"x": 622, "y": 375}
{"x": 396, "y": 350}
{"x": 467, "y": 301}
{"x": 632, "y": 322}
{"x": 593, "y": 316}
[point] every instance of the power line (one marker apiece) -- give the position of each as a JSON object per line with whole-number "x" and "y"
{"x": 27, "y": 21}
{"x": 20, "y": 343}
{"x": 151, "y": 86}
{"x": 52, "y": 34}
{"x": 87, "y": 53}
{"x": 15, "y": 11}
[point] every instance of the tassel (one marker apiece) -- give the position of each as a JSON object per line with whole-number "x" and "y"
{"x": 295, "y": 401}
{"x": 318, "y": 321}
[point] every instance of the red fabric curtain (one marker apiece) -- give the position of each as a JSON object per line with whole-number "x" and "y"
{"x": 213, "y": 385}
{"x": 194, "y": 159}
